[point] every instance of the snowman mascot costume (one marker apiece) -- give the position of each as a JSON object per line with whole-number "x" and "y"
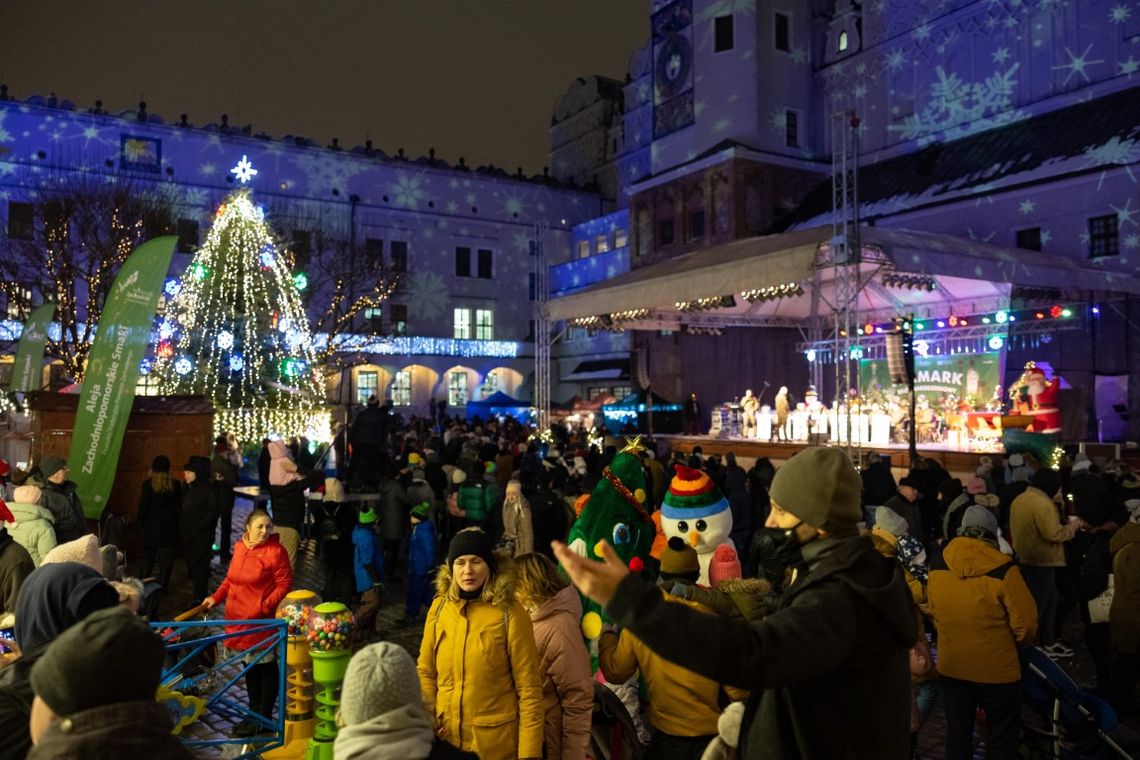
{"x": 695, "y": 511}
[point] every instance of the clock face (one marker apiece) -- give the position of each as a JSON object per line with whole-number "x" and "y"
{"x": 674, "y": 63}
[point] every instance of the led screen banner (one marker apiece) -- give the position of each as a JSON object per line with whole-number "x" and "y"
{"x": 969, "y": 377}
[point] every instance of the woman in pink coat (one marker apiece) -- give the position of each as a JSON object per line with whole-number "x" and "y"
{"x": 567, "y": 688}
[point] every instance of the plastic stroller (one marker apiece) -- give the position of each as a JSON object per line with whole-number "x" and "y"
{"x": 1073, "y": 724}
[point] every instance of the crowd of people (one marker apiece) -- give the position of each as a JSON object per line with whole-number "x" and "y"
{"x": 853, "y": 604}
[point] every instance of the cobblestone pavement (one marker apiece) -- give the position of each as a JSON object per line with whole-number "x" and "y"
{"x": 310, "y": 575}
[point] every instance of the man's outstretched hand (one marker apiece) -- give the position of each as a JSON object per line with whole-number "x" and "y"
{"x": 597, "y": 580}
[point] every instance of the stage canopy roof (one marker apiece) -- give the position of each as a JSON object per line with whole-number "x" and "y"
{"x": 970, "y": 276}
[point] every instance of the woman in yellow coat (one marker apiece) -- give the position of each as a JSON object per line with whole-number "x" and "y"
{"x": 478, "y": 665}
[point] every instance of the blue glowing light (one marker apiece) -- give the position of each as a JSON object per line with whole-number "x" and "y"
{"x": 225, "y": 340}
{"x": 172, "y": 287}
{"x": 183, "y": 366}
{"x": 237, "y": 364}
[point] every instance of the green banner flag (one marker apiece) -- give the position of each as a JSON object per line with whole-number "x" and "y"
{"x": 27, "y": 371}
{"x": 969, "y": 377}
{"x": 113, "y": 371}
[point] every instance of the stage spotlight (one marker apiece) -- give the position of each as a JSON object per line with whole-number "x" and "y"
{"x": 996, "y": 342}
{"x": 1001, "y": 317}
{"x": 810, "y": 354}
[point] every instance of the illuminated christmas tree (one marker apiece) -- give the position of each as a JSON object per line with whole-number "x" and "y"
{"x": 235, "y": 331}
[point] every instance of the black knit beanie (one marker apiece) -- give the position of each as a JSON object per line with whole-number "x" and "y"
{"x": 1046, "y": 480}
{"x": 470, "y": 541}
{"x": 161, "y": 463}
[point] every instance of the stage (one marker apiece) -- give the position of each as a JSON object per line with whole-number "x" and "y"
{"x": 960, "y": 463}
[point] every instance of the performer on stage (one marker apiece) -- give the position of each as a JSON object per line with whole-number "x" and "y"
{"x": 749, "y": 405}
{"x": 692, "y": 416}
{"x": 783, "y": 406}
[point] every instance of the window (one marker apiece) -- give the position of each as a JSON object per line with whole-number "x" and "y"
{"x": 398, "y": 318}
{"x": 594, "y": 392}
{"x": 575, "y": 333}
{"x": 841, "y": 45}
{"x": 402, "y": 388}
{"x": 462, "y": 261}
{"x": 1104, "y": 236}
{"x": 187, "y": 235}
{"x": 783, "y": 33}
{"x": 792, "y": 129}
{"x": 373, "y": 321}
{"x": 302, "y": 248}
{"x": 457, "y": 389}
{"x": 462, "y": 324}
{"x": 665, "y": 232}
{"x": 485, "y": 264}
{"x": 583, "y": 249}
{"x": 19, "y": 301}
{"x": 697, "y": 224}
{"x": 21, "y": 220}
{"x": 602, "y": 243}
{"x": 148, "y": 385}
{"x": 367, "y": 383}
{"x": 622, "y": 391}
{"x": 621, "y": 238}
{"x": 532, "y": 286}
{"x": 1029, "y": 239}
{"x": 55, "y": 221}
{"x": 722, "y": 33}
{"x": 484, "y": 324}
{"x": 398, "y": 249}
{"x": 374, "y": 254}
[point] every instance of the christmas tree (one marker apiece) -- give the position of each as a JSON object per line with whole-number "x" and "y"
{"x": 235, "y": 331}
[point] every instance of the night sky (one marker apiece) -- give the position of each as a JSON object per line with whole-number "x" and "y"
{"x": 476, "y": 79}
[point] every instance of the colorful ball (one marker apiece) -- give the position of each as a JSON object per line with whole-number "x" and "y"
{"x": 592, "y": 625}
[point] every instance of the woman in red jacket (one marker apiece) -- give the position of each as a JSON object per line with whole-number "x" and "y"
{"x": 259, "y": 577}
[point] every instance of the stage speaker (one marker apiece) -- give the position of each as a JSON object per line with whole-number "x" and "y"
{"x": 900, "y": 358}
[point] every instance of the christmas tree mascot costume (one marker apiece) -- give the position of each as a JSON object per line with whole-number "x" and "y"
{"x": 614, "y": 513}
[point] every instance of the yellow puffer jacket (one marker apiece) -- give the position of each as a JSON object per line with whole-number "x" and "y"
{"x": 1036, "y": 531}
{"x": 479, "y": 669}
{"x": 983, "y": 612}
{"x": 887, "y": 544}
{"x": 681, "y": 703}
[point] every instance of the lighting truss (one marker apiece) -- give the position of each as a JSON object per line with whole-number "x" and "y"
{"x": 910, "y": 282}
{"x": 774, "y": 292}
{"x": 706, "y": 304}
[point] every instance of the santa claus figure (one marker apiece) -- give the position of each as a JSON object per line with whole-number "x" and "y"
{"x": 1035, "y": 395}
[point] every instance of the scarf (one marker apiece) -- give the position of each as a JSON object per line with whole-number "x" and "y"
{"x": 400, "y": 734}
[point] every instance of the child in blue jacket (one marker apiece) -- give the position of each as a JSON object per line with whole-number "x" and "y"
{"x": 368, "y": 564}
{"x": 421, "y": 563}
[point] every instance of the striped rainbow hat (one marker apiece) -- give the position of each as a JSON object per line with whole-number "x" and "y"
{"x": 692, "y": 495}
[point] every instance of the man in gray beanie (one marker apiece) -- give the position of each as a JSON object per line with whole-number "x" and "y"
{"x": 60, "y": 498}
{"x": 382, "y": 712}
{"x": 830, "y": 662}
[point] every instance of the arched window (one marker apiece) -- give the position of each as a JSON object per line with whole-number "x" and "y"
{"x": 842, "y": 46}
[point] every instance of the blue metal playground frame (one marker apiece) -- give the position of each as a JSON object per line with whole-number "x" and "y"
{"x": 217, "y": 698}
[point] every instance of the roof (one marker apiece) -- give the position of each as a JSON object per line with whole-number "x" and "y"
{"x": 1084, "y": 131}
{"x": 968, "y": 274}
{"x": 499, "y": 399}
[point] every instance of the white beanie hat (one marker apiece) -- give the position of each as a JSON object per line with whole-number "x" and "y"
{"x": 380, "y": 678}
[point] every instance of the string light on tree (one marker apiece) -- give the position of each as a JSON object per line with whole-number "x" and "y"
{"x": 242, "y": 328}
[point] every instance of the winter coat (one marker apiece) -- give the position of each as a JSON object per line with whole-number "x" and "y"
{"x": 878, "y": 485}
{"x": 1090, "y": 558}
{"x": 419, "y": 492}
{"x": 567, "y": 684}
{"x": 421, "y": 549}
{"x": 1036, "y": 531}
{"x": 395, "y": 507}
{"x": 198, "y": 518}
{"x": 111, "y": 732}
{"x": 479, "y": 669}
{"x": 681, "y": 702}
{"x": 518, "y": 524}
{"x": 257, "y": 581}
{"x": 828, "y": 664}
{"x": 401, "y": 734}
{"x": 33, "y": 529}
{"x": 61, "y": 499}
{"x": 368, "y": 427}
{"x": 549, "y": 517}
{"x": 983, "y": 611}
{"x": 908, "y": 511}
{"x": 1124, "y": 615}
{"x": 159, "y": 514}
{"x": 477, "y": 500}
{"x": 15, "y": 566}
{"x": 287, "y": 502}
{"x": 887, "y": 545}
{"x": 366, "y": 553}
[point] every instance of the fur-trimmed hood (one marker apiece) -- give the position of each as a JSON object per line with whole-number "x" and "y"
{"x": 500, "y": 589}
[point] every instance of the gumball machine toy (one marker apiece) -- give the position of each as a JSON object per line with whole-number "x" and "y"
{"x": 296, "y": 608}
{"x": 329, "y": 630}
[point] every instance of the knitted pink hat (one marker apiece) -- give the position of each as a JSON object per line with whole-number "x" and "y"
{"x": 724, "y": 564}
